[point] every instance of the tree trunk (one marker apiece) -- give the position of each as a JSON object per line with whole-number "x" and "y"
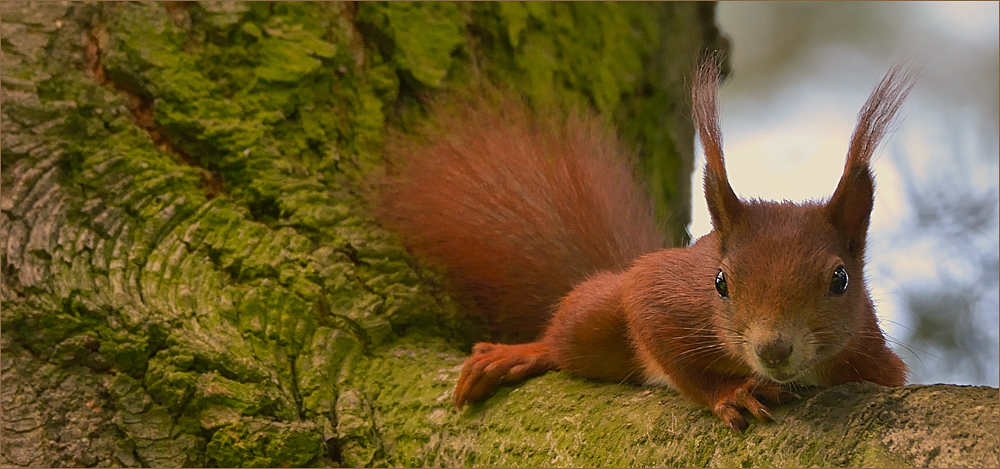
{"x": 191, "y": 276}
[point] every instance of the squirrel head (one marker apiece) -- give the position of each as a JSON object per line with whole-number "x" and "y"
{"x": 791, "y": 276}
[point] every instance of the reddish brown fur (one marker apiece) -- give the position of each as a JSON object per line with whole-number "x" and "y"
{"x": 781, "y": 321}
{"x": 518, "y": 206}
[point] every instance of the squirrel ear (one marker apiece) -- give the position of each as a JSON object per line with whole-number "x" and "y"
{"x": 850, "y": 207}
{"x": 723, "y": 204}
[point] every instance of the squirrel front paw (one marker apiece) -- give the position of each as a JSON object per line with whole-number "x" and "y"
{"x": 494, "y": 364}
{"x": 745, "y": 396}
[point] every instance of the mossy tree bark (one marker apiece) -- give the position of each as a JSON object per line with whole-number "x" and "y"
{"x": 191, "y": 276}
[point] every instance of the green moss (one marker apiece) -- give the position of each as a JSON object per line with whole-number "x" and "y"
{"x": 152, "y": 432}
{"x": 290, "y": 54}
{"x": 418, "y": 37}
{"x": 251, "y": 443}
{"x": 222, "y": 293}
{"x": 584, "y": 53}
{"x": 218, "y": 261}
{"x": 410, "y": 385}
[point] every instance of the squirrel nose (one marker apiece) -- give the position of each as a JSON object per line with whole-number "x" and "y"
{"x": 775, "y": 353}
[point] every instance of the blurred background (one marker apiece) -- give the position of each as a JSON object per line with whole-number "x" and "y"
{"x": 801, "y": 72}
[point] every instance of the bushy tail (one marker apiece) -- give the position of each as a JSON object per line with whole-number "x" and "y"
{"x": 518, "y": 206}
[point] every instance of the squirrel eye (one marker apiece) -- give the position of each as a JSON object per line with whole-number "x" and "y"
{"x": 722, "y": 287}
{"x": 838, "y": 284}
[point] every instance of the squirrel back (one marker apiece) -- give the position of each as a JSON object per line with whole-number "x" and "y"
{"x": 517, "y": 205}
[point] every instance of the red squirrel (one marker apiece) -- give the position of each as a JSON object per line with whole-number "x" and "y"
{"x": 540, "y": 221}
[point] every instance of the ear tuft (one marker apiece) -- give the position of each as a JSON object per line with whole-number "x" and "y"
{"x": 723, "y": 204}
{"x": 849, "y": 209}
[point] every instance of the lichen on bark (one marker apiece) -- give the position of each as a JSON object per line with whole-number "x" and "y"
{"x": 191, "y": 276}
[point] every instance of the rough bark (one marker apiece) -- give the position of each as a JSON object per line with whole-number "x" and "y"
{"x": 191, "y": 276}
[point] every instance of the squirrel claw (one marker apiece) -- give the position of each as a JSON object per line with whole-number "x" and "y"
{"x": 750, "y": 403}
{"x": 731, "y": 416}
{"x": 739, "y": 424}
{"x": 745, "y": 397}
